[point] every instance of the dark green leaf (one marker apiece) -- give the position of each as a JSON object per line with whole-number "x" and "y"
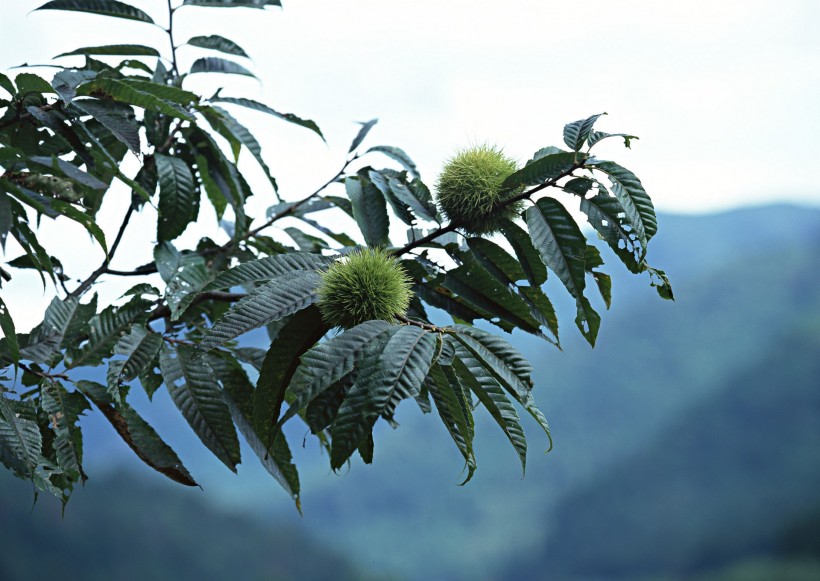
{"x": 64, "y": 409}
{"x": 453, "y": 410}
{"x": 390, "y": 371}
{"x": 366, "y": 127}
{"x": 163, "y": 91}
{"x": 606, "y": 215}
{"x": 114, "y": 49}
{"x": 31, "y": 83}
{"x": 66, "y": 83}
{"x": 178, "y": 201}
{"x": 398, "y": 155}
{"x": 635, "y": 201}
{"x": 499, "y": 357}
{"x": 197, "y": 395}
{"x": 269, "y": 302}
{"x": 369, "y": 211}
{"x": 233, "y": 3}
{"x": 546, "y": 168}
{"x": 563, "y": 249}
{"x": 328, "y": 362}
{"x": 19, "y": 437}
{"x": 300, "y": 333}
{"x": 185, "y": 285}
{"x": 219, "y": 43}
{"x": 126, "y": 93}
{"x": 577, "y": 132}
{"x": 289, "y": 117}
{"x": 140, "y": 346}
{"x": 104, "y": 330}
{"x": 7, "y": 326}
{"x": 6, "y": 84}
{"x": 525, "y": 252}
{"x": 117, "y": 118}
{"x": 269, "y": 267}
{"x": 102, "y": 7}
{"x": 219, "y": 65}
{"x": 70, "y": 171}
{"x": 137, "y": 434}
{"x": 45, "y": 339}
{"x": 596, "y": 136}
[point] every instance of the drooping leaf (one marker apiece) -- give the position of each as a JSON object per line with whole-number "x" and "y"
{"x": 562, "y": 246}
{"x": 416, "y": 198}
{"x": 20, "y": 438}
{"x": 185, "y": 286}
{"x": 606, "y": 215}
{"x": 66, "y": 83}
{"x": 577, "y": 132}
{"x": 7, "y": 326}
{"x": 506, "y": 364}
{"x": 219, "y": 65}
{"x": 140, "y": 346}
{"x": 269, "y": 302}
{"x": 64, "y": 409}
{"x": 526, "y": 253}
{"x": 117, "y": 118}
{"x": 163, "y": 91}
{"x": 398, "y": 155}
{"x": 391, "y": 370}
{"x": 193, "y": 388}
{"x": 264, "y": 269}
{"x": 547, "y": 168}
{"x": 69, "y": 170}
{"x": 178, "y": 200}
{"x": 104, "y": 330}
{"x": 113, "y": 49}
{"x": 492, "y": 396}
{"x": 301, "y": 332}
{"x": 137, "y": 434}
{"x": 45, "y": 339}
{"x": 369, "y": 211}
{"x": 596, "y": 136}
{"x": 103, "y": 7}
{"x": 231, "y": 127}
{"x": 328, "y": 362}
{"x": 633, "y": 198}
{"x": 255, "y": 105}
{"x": 451, "y": 405}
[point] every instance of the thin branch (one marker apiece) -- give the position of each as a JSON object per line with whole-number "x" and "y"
{"x": 86, "y": 284}
{"x": 17, "y": 118}
{"x": 43, "y": 374}
{"x": 170, "y": 32}
{"x": 421, "y": 324}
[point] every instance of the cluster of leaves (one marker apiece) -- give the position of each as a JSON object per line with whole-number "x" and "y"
{"x": 63, "y": 144}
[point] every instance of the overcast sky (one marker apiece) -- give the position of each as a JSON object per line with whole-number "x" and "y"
{"x": 723, "y": 95}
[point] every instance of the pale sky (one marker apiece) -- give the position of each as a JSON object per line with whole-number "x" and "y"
{"x": 723, "y": 95}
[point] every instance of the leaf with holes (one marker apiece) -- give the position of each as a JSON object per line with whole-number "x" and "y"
{"x": 633, "y": 198}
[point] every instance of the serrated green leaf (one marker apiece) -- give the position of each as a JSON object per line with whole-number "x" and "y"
{"x": 31, "y": 83}
{"x": 633, "y": 198}
{"x": 117, "y": 118}
{"x": 219, "y": 65}
{"x": 140, "y": 346}
{"x": 577, "y": 132}
{"x": 124, "y": 92}
{"x": 450, "y": 404}
{"x": 606, "y": 215}
{"x": 298, "y": 335}
{"x": 369, "y": 211}
{"x": 137, "y": 434}
{"x": 506, "y": 364}
{"x": 102, "y": 7}
{"x": 391, "y": 370}
{"x": 415, "y": 198}
{"x": 398, "y": 155}
{"x": 546, "y": 168}
{"x": 163, "y": 91}
{"x": 114, "y": 49}
{"x": 255, "y": 105}
{"x": 178, "y": 201}
{"x": 20, "y": 438}
{"x": 269, "y": 302}
{"x": 196, "y": 393}
{"x": 496, "y": 260}
{"x": 563, "y": 249}
{"x": 7, "y": 326}
{"x": 104, "y": 330}
{"x": 526, "y": 253}
{"x": 264, "y": 269}
{"x": 45, "y": 339}
{"x": 489, "y": 392}
{"x": 327, "y": 363}
{"x": 66, "y": 83}
{"x": 233, "y": 3}
{"x": 185, "y": 286}
{"x": 238, "y": 393}
{"x": 218, "y": 43}
{"x": 596, "y": 136}
{"x": 366, "y": 127}
{"x": 64, "y": 409}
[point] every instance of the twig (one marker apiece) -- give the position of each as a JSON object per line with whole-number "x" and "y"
{"x": 170, "y": 31}
{"x": 86, "y": 284}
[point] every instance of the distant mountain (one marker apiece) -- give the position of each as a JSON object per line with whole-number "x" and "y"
{"x": 126, "y": 528}
{"x": 724, "y": 482}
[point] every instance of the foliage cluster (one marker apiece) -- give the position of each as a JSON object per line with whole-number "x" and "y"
{"x": 63, "y": 145}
